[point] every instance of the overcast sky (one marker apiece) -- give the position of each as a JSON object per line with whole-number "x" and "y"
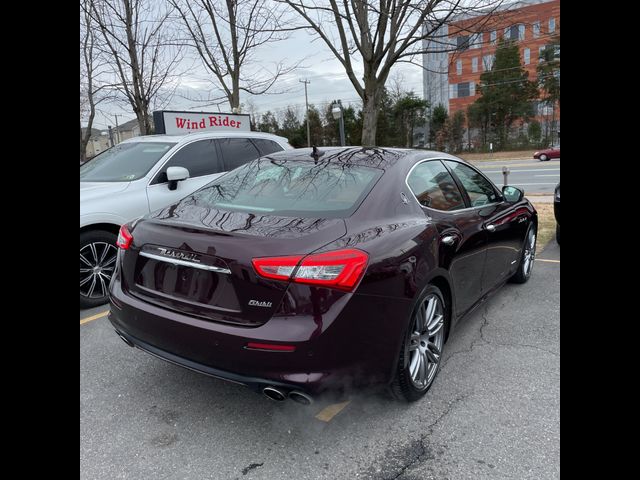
{"x": 328, "y": 82}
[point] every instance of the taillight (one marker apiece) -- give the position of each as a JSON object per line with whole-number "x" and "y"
{"x": 340, "y": 269}
{"x": 124, "y": 238}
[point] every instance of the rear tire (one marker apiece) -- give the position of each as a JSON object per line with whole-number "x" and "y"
{"x": 527, "y": 257}
{"x": 97, "y": 262}
{"x": 422, "y": 347}
{"x": 558, "y": 233}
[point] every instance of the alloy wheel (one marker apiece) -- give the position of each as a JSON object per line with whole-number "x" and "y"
{"x": 530, "y": 252}
{"x": 427, "y": 339}
{"x": 97, "y": 262}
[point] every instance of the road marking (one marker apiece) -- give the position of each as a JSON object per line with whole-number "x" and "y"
{"x": 547, "y": 260}
{"x": 94, "y": 317}
{"x": 327, "y": 413}
{"x": 551, "y": 175}
{"x": 510, "y": 183}
{"x": 517, "y": 171}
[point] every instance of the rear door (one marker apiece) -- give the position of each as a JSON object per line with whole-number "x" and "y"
{"x": 237, "y": 151}
{"x": 202, "y": 160}
{"x": 504, "y": 223}
{"x": 463, "y": 241}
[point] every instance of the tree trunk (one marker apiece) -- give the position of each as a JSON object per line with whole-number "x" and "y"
{"x": 369, "y": 118}
{"x": 234, "y": 99}
{"x": 83, "y": 146}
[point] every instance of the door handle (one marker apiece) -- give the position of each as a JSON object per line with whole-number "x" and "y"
{"x": 449, "y": 240}
{"x": 491, "y": 228}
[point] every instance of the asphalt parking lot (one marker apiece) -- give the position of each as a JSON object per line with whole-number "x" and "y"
{"x": 493, "y": 411}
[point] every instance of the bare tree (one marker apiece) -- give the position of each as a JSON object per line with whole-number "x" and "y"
{"x": 227, "y": 35}
{"x": 93, "y": 90}
{"x": 141, "y": 51}
{"x": 380, "y": 34}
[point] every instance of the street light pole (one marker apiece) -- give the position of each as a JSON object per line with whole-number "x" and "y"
{"x": 338, "y": 114}
{"x": 306, "y": 102}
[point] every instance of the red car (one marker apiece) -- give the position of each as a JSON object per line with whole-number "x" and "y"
{"x": 547, "y": 154}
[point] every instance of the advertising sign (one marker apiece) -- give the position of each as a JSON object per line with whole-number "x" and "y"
{"x": 178, "y": 123}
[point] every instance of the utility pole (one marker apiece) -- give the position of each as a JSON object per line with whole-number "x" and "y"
{"x": 306, "y": 102}
{"x": 117, "y": 130}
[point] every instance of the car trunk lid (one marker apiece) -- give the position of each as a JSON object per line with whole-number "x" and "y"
{"x": 198, "y": 260}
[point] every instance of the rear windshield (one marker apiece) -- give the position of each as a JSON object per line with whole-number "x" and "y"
{"x": 291, "y": 188}
{"x": 124, "y": 162}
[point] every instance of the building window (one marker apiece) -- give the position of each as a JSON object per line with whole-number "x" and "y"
{"x": 541, "y": 53}
{"x": 514, "y": 32}
{"x": 476, "y": 40}
{"x": 527, "y": 56}
{"x": 472, "y": 89}
{"x": 453, "y": 91}
{"x": 487, "y": 62}
{"x": 552, "y": 25}
{"x": 464, "y": 90}
{"x": 493, "y": 37}
{"x": 462, "y": 42}
{"x": 536, "y": 29}
{"x": 459, "y": 67}
{"x": 474, "y": 64}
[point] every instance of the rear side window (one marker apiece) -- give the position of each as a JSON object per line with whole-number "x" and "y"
{"x": 434, "y": 187}
{"x": 266, "y": 146}
{"x": 200, "y": 158}
{"x": 291, "y": 188}
{"x": 237, "y": 151}
{"x": 479, "y": 189}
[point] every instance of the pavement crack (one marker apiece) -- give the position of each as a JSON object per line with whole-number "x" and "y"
{"x": 418, "y": 446}
{"x": 525, "y": 346}
{"x": 476, "y": 341}
{"x": 250, "y": 467}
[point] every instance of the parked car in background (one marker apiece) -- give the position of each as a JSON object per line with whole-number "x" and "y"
{"x": 556, "y": 211}
{"x": 547, "y": 153}
{"x": 296, "y": 273}
{"x": 144, "y": 174}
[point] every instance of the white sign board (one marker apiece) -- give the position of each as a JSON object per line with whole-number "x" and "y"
{"x": 179, "y": 123}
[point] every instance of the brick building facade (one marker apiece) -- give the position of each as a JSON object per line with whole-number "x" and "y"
{"x": 452, "y": 78}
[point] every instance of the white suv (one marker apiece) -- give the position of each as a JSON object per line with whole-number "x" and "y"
{"x": 144, "y": 174}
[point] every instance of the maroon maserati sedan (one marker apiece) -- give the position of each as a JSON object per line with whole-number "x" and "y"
{"x": 310, "y": 270}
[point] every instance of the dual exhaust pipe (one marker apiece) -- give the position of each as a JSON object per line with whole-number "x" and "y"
{"x": 272, "y": 393}
{"x": 278, "y": 395}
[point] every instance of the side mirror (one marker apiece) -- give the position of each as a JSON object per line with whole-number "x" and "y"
{"x": 512, "y": 194}
{"x": 175, "y": 174}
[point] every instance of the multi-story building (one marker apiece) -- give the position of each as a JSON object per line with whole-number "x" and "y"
{"x": 465, "y": 48}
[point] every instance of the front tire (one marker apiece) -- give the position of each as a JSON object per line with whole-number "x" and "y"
{"x": 97, "y": 262}
{"x": 527, "y": 258}
{"x": 421, "y": 351}
{"x": 543, "y": 158}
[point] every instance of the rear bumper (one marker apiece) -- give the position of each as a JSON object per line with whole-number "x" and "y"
{"x": 354, "y": 343}
{"x": 254, "y": 383}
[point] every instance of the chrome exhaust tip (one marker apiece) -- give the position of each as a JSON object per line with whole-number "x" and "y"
{"x": 274, "y": 394}
{"x": 300, "y": 397}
